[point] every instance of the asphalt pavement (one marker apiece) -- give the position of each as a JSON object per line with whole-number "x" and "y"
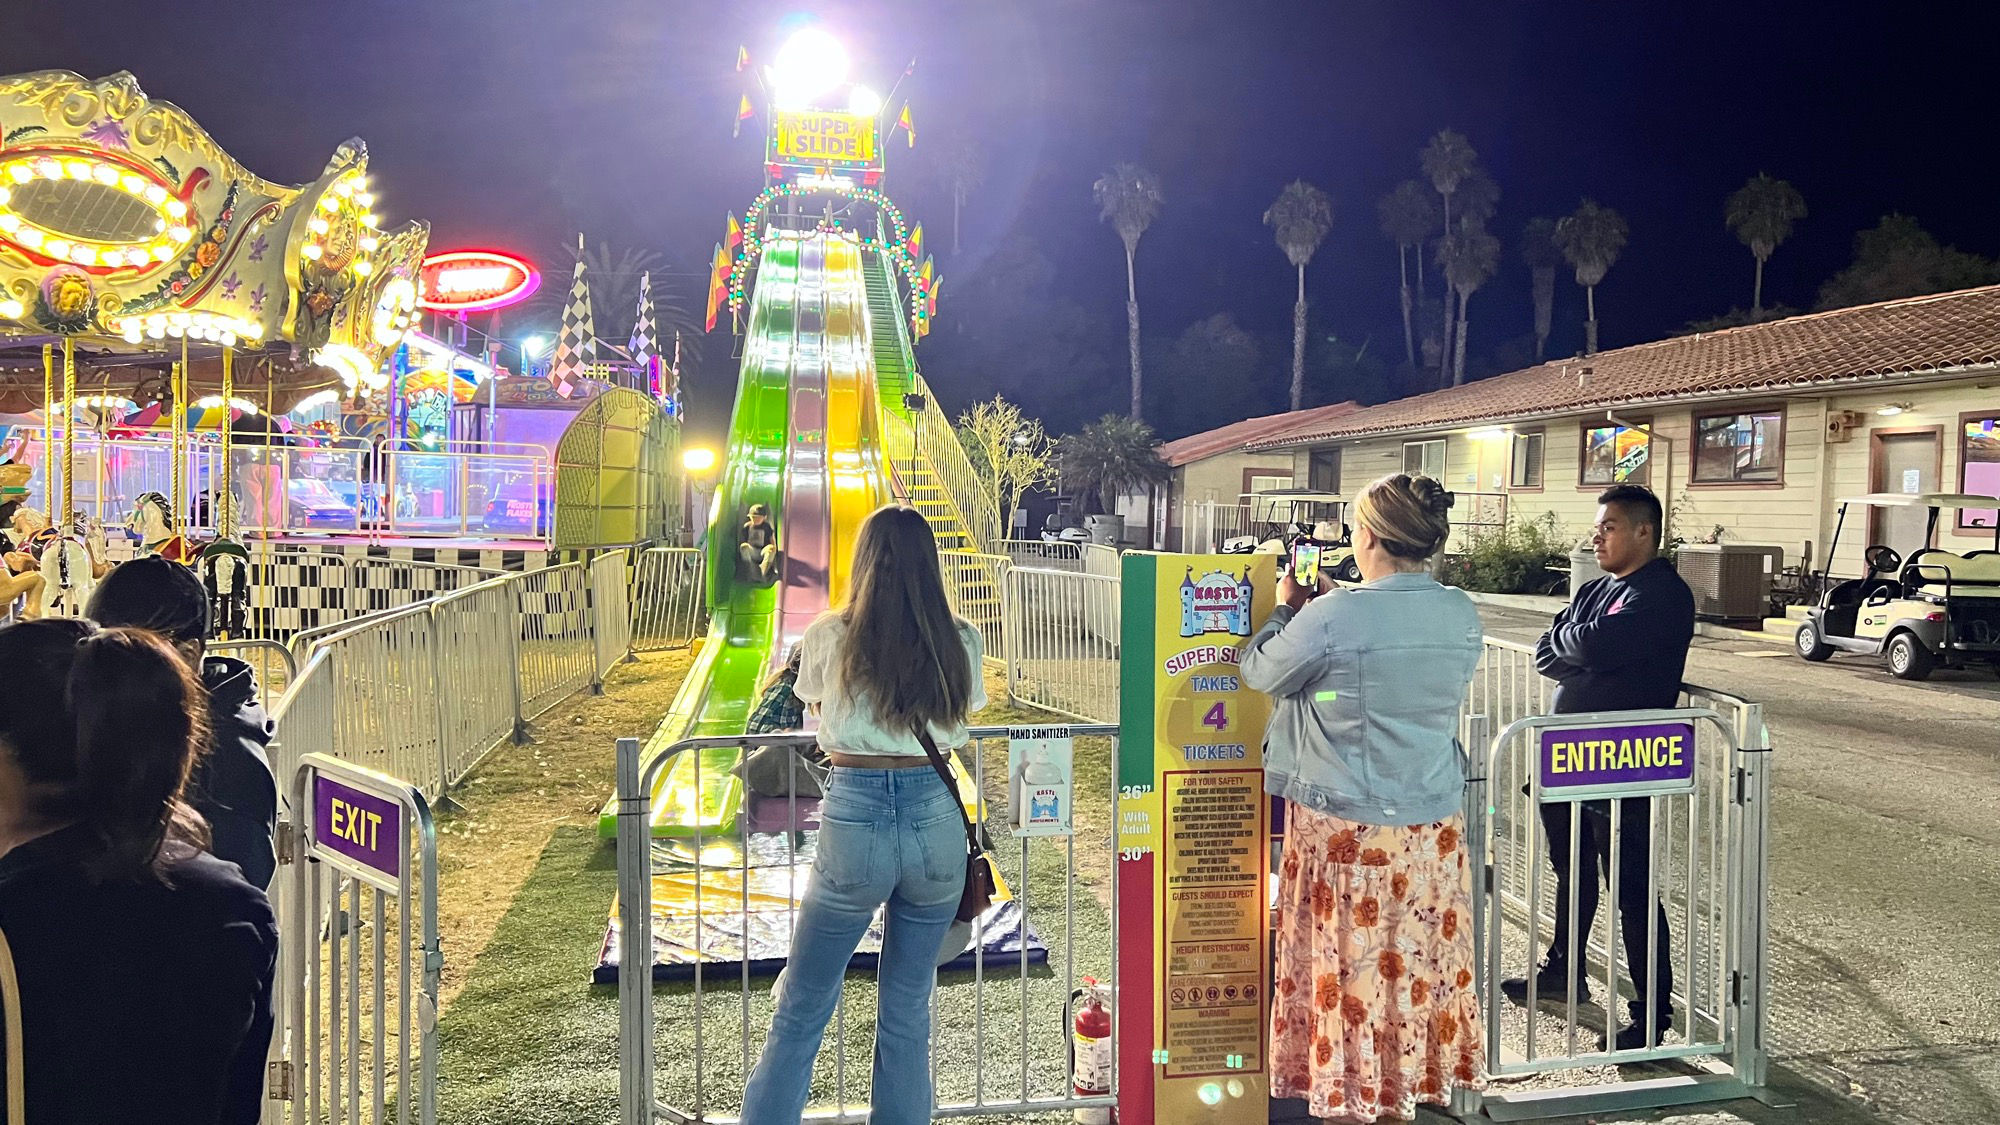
{"x": 1885, "y": 885}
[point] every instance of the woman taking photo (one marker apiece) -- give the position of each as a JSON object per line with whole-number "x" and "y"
{"x": 892, "y": 661}
{"x": 145, "y": 964}
{"x": 1374, "y": 1010}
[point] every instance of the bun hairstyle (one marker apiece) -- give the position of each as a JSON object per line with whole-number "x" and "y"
{"x": 1410, "y": 515}
{"x": 116, "y": 722}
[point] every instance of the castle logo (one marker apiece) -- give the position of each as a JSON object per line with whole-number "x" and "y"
{"x": 1216, "y": 603}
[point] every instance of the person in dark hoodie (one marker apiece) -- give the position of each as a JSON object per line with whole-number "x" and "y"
{"x": 1620, "y": 645}
{"x": 232, "y": 786}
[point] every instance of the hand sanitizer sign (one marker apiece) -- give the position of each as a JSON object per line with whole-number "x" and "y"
{"x": 1038, "y": 780}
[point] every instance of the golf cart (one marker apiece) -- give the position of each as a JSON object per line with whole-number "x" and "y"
{"x": 1935, "y": 609}
{"x": 1276, "y": 516}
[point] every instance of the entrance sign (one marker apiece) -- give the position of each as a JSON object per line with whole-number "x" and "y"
{"x": 359, "y": 832}
{"x": 1616, "y": 760}
{"x": 1193, "y": 861}
{"x": 819, "y": 137}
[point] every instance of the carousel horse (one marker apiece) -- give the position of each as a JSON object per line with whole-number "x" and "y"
{"x": 70, "y": 563}
{"x": 225, "y": 572}
{"x": 152, "y": 520}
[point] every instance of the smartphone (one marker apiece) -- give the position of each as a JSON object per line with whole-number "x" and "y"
{"x": 1305, "y": 562}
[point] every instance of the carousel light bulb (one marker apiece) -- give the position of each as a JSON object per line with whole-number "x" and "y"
{"x": 176, "y": 330}
{"x": 329, "y": 203}
{"x": 78, "y": 169}
{"x": 83, "y": 255}
{"x": 56, "y": 247}
{"x": 20, "y": 173}
{"x": 371, "y": 244}
{"x": 133, "y": 334}
{"x": 180, "y": 318}
{"x": 156, "y": 195}
{"x": 137, "y": 257}
{"x": 132, "y": 184}
{"x": 104, "y": 174}
{"x": 48, "y": 169}
{"x": 10, "y": 222}
{"x": 365, "y": 199}
{"x": 163, "y": 252}
{"x": 317, "y": 225}
{"x": 179, "y": 233}
{"x": 344, "y": 187}
{"x": 368, "y": 219}
{"x": 229, "y": 339}
{"x": 312, "y": 252}
{"x": 363, "y": 267}
{"x": 6, "y": 197}
{"x": 176, "y": 208}
{"x": 10, "y": 308}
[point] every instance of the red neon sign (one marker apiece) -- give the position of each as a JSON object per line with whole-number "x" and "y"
{"x": 474, "y": 281}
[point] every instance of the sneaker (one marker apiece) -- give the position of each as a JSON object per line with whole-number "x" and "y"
{"x": 1633, "y": 1037}
{"x": 1551, "y": 986}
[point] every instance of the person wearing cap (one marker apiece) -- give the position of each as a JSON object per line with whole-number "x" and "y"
{"x": 757, "y": 542}
{"x": 232, "y": 786}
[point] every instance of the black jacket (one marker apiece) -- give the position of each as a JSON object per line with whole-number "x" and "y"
{"x": 1621, "y": 644}
{"x": 232, "y": 786}
{"x": 140, "y": 1002}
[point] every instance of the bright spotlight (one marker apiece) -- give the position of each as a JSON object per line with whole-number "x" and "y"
{"x": 698, "y": 460}
{"x": 863, "y": 102}
{"x": 533, "y": 347}
{"x": 810, "y": 63}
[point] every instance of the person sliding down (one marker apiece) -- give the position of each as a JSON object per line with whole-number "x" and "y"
{"x": 1620, "y": 645}
{"x": 757, "y": 543}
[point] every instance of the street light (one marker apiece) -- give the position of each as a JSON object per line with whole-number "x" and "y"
{"x": 698, "y": 460}
{"x": 810, "y": 63}
{"x": 533, "y": 347}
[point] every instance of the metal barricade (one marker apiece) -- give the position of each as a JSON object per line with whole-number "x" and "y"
{"x": 1101, "y": 560}
{"x": 269, "y": 661}
{"x": 385, "y": 695}
{"x": 1045, "y": 556}
{"x": 459, "y": 492}
{"x": 1702, "y": 913}
{"x": 1207, "y": 524}
{"x": 740, "y": 888}
{"x": 477, "y": 641}
{"x": 360, "y": 961}
{"x": 975, "y": 584}
{"x": 667, "y": 598}
{"x": 1063, "y": 636}
{"x": 558, "y": 649}
{"x": 610, "y": 609}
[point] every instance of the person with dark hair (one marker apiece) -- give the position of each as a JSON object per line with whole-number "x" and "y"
{"x": 1620, "y": 645}
{"x": 145, "y": 964}
{"x": 890, "y": 664}
{"x": 1374, "y": 1010}
{"x": 232, "y": 786}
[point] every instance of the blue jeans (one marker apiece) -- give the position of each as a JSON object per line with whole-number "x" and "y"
{"x": 886, "y": 837}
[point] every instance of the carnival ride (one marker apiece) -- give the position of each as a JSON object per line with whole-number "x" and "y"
{"x": 827, "y": 386}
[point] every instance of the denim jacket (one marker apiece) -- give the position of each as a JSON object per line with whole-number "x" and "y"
{"x": 1368, "y": 682}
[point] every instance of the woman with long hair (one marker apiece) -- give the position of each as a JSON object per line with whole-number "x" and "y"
{"x": 892, "y": 661}
{"x": 1374, "y": 1009}
{"x": 145, "y": 963}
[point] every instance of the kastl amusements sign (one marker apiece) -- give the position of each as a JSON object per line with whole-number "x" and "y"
{"x": 1616, "y": 759}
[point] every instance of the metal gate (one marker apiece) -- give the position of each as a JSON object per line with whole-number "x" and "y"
{"x": 718, "y": 882}
{"x": 358, "y": 985}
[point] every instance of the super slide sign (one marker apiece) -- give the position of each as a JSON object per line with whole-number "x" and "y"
{"x": 1610, "y": 759}
{"x": 815, "y": 137}
{"x": 359, "y": 832}
{"x": 474, "y": 281}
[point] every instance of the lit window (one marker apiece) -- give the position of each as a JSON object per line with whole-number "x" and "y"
{"x": 1744, "y": 448}
{"x": 1979, "y": 468}
{"x": 1614, "y": 454}
{"x": 1527, "y": 469}
{"x": 1424, "y": 458}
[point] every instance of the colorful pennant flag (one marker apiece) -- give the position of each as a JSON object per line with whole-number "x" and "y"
{"x": 576, "y": 342}
{"x": 744, "y": 112}
{"x": 735, "y": 236}
{"x": 742, "y": 59}
{"x": 917, "y": 242}
{"x": 930, "y": 302}
{"x": 718, "y": 283}
{"x": 909, "y": 129}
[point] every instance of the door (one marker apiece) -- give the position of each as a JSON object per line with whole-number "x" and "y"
{"x": 1907, "y": 463}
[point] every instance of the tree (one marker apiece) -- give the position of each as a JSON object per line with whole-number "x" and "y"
{"x": 1299, "y": 219}
{"x": 1469, "y": 258}
{"x": 1762, "y": 212}
{"x": 1448, "y": 161}
{"x": 1409, "y": 216}
{"x": 1538, "y": 249}
{"x": 1897, "y": 258}
{"x": 1590, "y": 241}
{"x": 962, "y": 168}
{"x": 1109, "y": 458}
{"x": 1213, "y": 361}
{"x": 1010, "y": 453}
{"x": 1129, "y": 198}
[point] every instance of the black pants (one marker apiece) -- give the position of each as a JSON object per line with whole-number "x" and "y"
{"x": 1635, "y": 854}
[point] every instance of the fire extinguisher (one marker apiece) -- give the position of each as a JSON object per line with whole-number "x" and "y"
{"x": 1090, "y": 1049}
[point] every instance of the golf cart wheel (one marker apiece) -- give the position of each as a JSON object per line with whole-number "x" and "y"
{"x": 1909, "y": 659}
{"x": 1811, "y": 645}
{"x": 1349, "y": 570}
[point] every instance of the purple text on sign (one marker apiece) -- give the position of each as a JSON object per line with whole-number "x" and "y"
{"x": 361, "y": 826}
{"x": 1646, "y": 757}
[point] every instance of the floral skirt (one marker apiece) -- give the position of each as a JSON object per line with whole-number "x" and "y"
{"x": 1374, "y": 1009}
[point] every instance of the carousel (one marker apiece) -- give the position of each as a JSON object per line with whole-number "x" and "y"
{"x": 152, "y": 290}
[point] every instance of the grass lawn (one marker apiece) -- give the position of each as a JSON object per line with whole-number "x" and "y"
{"x": 526, "y": 1039}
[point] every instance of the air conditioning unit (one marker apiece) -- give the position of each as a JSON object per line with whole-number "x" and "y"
{"x": 1841, "y": 424}
{"x": 1731, "y": 581}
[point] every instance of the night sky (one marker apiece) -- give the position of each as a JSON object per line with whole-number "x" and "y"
{"x": 515, "y": 123}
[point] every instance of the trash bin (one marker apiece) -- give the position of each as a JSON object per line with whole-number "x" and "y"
{"x": 1106, "y": 529}
{"x": 1583, "y": 567}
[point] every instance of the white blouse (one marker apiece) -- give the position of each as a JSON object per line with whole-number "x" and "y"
{"x": 847, "y": 720}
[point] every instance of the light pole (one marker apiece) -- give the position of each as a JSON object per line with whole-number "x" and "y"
{"x": 698, "y": 462}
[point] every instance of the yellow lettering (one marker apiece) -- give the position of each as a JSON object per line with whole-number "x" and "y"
{"x": 1674, "y": 749}
{"x": 1556, "y": 757}
{"x": 334, "y": 816}
{"x": 374, "y": 833}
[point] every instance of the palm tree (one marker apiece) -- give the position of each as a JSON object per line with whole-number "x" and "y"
{"x": 1448, "y": 161}
{"x": 1129, "y": 198}
{"x": 1538, "y": 249}
{"x": 963, "y": 170}
{"x": 1590, "y": 240}
{"x": 1300, "y": 218}
{"x": 1469, "y": 257}
{"x": 1109, "y": 458}
{"x": 1409, "y": 217}
{"x": 1762, "y": 213}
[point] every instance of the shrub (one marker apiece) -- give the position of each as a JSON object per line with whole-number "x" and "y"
{"x": 1514, "y": 559}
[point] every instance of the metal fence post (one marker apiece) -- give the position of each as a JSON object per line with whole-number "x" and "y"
{"x": 438, "y": 715}
{"x": 635, "y": 941}
{"x": 590, "y": 625}
{"x": 1754, "y": 756}
{"x": 521, "y": 737}
{"x": 1478, "y": 740}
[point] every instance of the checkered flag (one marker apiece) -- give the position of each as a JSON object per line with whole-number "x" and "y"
{"x": 645, "y": 346}
{"x": 576, "y": 343}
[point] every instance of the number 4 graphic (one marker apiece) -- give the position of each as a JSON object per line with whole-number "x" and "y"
{"x": 1217, "y": 717}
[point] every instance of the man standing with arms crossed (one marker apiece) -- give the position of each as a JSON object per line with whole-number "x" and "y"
{"x": 1620, "y": 645}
